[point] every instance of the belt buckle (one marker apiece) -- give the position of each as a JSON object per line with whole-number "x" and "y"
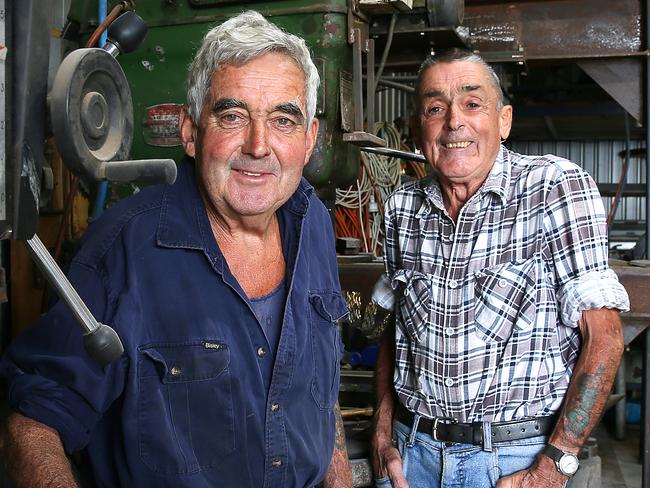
{"x": 436, "y": 421}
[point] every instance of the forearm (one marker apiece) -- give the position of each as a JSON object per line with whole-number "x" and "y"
{"x": 34, "y": 455}
{"x": 338, "y": 474}
{"x": 592, "y": 379}
{"x": 384, "y": 389}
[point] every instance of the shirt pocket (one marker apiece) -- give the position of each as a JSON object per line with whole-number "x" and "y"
{"x": 505, "y": 297}
{"x": 414, "y": 301}
{"x": 185, "y": 406}
{"x": 325, "y": 309}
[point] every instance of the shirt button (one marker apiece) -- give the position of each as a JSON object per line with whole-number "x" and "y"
{"x": 449, "y": 331}
{"x": 449, "y": 382}
{"x": 453, "y": 283}
{"x": 261, "y": 351}
{"x": 277, "y": 462}
{"x": 275, "y": 407}
{"x": 503, "y": 283}
{"x": 175, "y": 371}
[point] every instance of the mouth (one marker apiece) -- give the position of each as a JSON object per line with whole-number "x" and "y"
{"x": 252, "y": 173}
{"x": 249, "y": 173}
{"x": 456, "y": 145}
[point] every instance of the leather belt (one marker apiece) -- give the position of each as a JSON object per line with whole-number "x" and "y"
{"x": 447, "y": 429}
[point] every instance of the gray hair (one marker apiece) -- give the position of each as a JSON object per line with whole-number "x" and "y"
{"x": 239, "y": 40}
{"x": 458, "y": 54}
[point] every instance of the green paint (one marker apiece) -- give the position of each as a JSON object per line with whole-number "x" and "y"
{"x": 157, "y": 70}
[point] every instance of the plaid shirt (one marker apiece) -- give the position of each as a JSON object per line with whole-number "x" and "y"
{"x": 487, "y": 306}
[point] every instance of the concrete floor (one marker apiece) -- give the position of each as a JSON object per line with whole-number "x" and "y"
{"x": 621, "y": 460}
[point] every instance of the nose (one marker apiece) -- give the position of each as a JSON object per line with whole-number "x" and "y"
{"x": 256, "y": 143}
{"x": 454, "y": 118}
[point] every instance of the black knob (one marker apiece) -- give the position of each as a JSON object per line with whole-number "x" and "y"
{"x": 127, "y": 32}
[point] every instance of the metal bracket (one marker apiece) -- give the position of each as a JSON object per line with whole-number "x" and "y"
{"x": 362, "y": 44}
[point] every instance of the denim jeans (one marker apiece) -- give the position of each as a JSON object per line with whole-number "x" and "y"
{"x": 432, "y": 464}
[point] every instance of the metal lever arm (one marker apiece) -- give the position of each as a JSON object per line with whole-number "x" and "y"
{"x": 395, "y": 153}
{"x": 101, "y": 342}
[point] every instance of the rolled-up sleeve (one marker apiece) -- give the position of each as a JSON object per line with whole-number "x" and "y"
{"x": 576, "y": 233}
{"x": 600, "y": 289}
{"x": 383, "y": 294}
{"x": 50, "y": 377}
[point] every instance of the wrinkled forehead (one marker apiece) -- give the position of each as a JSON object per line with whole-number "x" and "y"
{"x": 448, "y": 80}
{"x": 271, "y": 78}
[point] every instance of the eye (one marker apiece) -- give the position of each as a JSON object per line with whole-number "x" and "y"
{"x": 285, "y": 124}
{"x": 232, "y": 120}
{"x": 433, "y": 111}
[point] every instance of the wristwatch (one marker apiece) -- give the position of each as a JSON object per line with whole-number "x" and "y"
{"x": 565, "y": 462}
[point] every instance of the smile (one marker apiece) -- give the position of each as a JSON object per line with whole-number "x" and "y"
{"x": 457, "y": 145}
{"x": 250, "y": 174}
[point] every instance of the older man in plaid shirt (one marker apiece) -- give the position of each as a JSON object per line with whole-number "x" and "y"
{"x": 507, "y": 335}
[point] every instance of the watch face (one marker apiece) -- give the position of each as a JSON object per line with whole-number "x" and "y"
{"x": 568, "y": 464}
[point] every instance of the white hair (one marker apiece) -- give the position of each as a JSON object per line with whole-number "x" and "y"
{"x": 239, "y": 40}
{"x": 458, "y": 54}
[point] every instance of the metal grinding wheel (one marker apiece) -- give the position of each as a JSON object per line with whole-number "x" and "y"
{"x": 91, "y": 111}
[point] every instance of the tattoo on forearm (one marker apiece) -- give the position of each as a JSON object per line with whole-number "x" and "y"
{"x": 579, "y": 415}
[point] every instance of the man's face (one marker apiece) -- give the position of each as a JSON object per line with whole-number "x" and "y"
{"x": 459, "y": 128}
{"x": 251, "y": 142}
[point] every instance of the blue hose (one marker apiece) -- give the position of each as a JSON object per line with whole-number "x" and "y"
{"x": 102, "y": 190}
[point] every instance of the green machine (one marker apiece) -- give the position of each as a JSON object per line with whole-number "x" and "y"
{"x": 156, "y": 71}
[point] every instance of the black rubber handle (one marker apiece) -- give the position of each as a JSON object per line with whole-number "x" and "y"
{"x": 103, "y": 345}
{"x": 127, "y": 32}
{"x": 150, "y": 171}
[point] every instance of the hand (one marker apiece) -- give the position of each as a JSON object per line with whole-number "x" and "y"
{"x": 387, "y": 461}
{"x": 542, "y": 474}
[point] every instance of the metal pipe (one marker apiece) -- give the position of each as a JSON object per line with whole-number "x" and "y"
{"x": 394, "y": 84}
{"x": 645, "y": 436}
{"x": 396, "y": 153}
{"x": 371, "y": 86}
{"x": 384, "y": 54}
{"x": 357, "y": 81}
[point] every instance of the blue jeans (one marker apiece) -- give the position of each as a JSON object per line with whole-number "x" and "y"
{"x": 433, "y": 464}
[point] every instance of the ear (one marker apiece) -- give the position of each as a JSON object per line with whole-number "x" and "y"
{"x": 188, "y": 132}
{"x": 505, "y": 121}
{"x": 311, "y": 137}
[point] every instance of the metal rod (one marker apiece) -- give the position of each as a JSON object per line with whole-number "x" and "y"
{"x": 645, "y": 473}
{"x": 384, "y": 54}
{"x": 370, "y": 86}
{"x": 398, "y": 86}
{"x": 357, "y": 81}
{"x": 60, "y": 283}
{"x": 647, "y": 133}
{"x": 396, "y": 153}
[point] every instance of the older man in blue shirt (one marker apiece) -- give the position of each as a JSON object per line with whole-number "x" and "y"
{"x": 224, "y": 291}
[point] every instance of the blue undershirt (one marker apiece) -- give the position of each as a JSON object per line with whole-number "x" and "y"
{"x": 269, "y": 311}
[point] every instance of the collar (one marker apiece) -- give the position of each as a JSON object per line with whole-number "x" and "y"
{"x": 184, "y": 220}
{"x": 497, "y": 182}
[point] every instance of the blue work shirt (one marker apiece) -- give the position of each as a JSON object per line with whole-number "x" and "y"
{"x": 197, "y": 399}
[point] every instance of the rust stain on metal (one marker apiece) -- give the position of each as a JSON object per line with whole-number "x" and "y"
{"x": 552, "y": 28}
{"x": 331, "y": 28}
